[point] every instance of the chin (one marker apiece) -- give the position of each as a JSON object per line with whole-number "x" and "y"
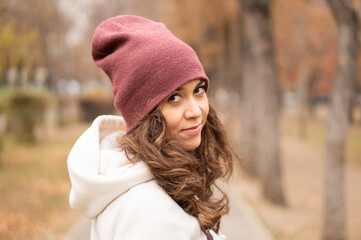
{"x": 190, "y": 145}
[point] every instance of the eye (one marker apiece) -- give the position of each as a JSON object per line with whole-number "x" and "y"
{"x": 200, "y": 90}
{"x": 174, "y": 98}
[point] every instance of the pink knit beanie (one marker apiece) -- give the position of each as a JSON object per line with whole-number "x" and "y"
{"x": 145, "y": 63}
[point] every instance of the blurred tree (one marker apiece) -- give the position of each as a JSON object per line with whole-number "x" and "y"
{"x": 18, "y": 49}
{"x": 346, "y": 19}
{"x": 261, "y": 96}
{"x": 305, "y": 51}
{"x": 32, "y": 34}
{"x": 247, "y": 100}
{"x": 304, "y": 66}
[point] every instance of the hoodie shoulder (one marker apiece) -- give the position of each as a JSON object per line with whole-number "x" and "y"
{"x": 147, "y": 212}
{"x": 98, "y": 171}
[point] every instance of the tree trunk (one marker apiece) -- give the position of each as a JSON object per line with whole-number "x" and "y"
{"x": 233, "y": 50}
{"x": 302, "y": 83}
{"x": 334, "y": 225}
{"x": 247, "y": 104}
{"x": 261, "y": 87}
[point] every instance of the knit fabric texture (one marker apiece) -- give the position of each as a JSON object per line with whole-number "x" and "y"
{"x": 145, "y": 63}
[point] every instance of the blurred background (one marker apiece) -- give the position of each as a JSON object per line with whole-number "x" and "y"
{"x": 284, "y": 74}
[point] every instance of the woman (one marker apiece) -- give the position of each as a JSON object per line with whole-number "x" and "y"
{"x": 151, "y": 173}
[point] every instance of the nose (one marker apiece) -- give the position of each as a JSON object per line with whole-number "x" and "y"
{"x": 192, "y": 109}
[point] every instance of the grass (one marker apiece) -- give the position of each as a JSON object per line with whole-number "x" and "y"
{"x": 353, "y": 146}
{"x": 34, "y": 186}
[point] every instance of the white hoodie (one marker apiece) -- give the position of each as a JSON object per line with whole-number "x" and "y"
{"x": 123, "y": 199}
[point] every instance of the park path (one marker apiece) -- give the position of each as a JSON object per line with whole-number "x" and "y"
{"x": 240, "y": 224}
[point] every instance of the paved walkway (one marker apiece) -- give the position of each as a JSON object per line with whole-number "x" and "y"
{"x": 240, "y": 224}
{"x": 80, "y": 230}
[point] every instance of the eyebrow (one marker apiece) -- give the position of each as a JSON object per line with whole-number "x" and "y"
{"x": 198, "y": 85}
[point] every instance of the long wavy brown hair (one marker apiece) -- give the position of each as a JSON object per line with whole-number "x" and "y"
{"x": 188, "y": 177}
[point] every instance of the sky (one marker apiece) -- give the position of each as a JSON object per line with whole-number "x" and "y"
{"x": 77, "y": 12}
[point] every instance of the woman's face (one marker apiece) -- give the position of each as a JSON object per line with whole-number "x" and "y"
{"x": 185, "y": 112}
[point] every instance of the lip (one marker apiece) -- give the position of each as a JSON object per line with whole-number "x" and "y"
{"x": 193, "y": 130}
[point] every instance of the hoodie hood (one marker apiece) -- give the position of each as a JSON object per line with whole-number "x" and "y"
{"x": 99, "y": 171}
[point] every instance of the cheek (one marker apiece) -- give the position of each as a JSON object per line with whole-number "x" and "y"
{"x": 172, "y": 120}
{"x": 205, "y": 109}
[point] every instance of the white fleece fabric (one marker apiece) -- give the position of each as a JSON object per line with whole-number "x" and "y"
{"x": 123, "y": 199}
